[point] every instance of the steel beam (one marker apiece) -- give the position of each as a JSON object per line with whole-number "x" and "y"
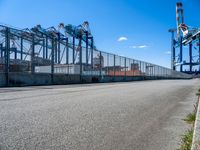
{"x": 73, "y": 42}
{"x": 46, "y": 42}
{"x": 59, "y": 52}
{"x": 125, "y": 67}
{"x": 100, "y": 64}
{"x": 7, "y": 55}
{"x": 15, "y": 53}
{"x": 86, "y": 48}
{"x": 80, "y": 55}
{"x": 33, "y": 55}
{"x": 190, "y": 56}
{"x": 114, "y": 64}
{"x": 1, "y": 50}
{"x": 43, "y": 49}
{"x": 173, "y": 56}
{"x": 67, "y": 51}
{"x": 55, "y": 51}
{"x": 52, "y": 60}
{"x": 22, "y": 48}
{"x": 181, "y": 50}
{"x": 92, "y": 49}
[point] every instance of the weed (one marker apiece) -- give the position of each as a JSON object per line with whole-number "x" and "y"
{"x": 186, "y": 140}
{"x": 190, "y": 118}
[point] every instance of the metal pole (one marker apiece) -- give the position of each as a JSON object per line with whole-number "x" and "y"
{"x": 21, "y": 45}
{"x": 108, "y": 70}
{"x": 33, "y": 55}
{"x": 100, "y": 64}
{"x": 86, "y": 48}
{"x": 67, "y": 51}
{"x": 56, "y": 51}
{"x": 125, "y": 67}
{"x": 181, "y": 49}
{"x": 15, "y": 50}
{"x": 173, "y": 52}
{"x": 181, "y": 54}
{"x": 190, "y": 56}
{"x": 92, "y": 49}
{"x": 46, "y": 47}
{"x": 80, "y": 54}
{"x": 7, "y": 55}
{"x": 59, "y": 52}
{"x": 52, "y": 61}
{"x": 114, "y": 65}
{"x": 73, "y": 50}
{"x": 1, "y": 49}
{"x": 43, "y": 48}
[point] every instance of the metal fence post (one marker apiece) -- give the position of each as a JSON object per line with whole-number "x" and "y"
{"x": 67, "y": 52}
{"x": 114, "y": 65}
{"x": 100, "y": 64}
{"x": 190, "y": 56}
{"x": 80, "y": 55}
{"x": 56, "y": 51}
{"x": 92, "y": 50}
{"x": 73, "y": 50}
{"x": 52, "y": 61}
{"x": 33, "y": 55}
{"x": 59, "y": 51}
{"x": 7, "y": 55}
{"x": 46, "y": 47}
{"x": 43, "y": 48}
{"x": 86, "y": 48}
{"x": 1, "y": 50}
{"x": 125, "y": 67}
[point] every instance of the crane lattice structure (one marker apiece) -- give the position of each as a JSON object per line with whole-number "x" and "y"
{"x": 39, "y": 46}
{"x": 185, "y": 45}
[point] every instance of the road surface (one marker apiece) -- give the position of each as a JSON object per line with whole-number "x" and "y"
{"x": 145, "y": 115}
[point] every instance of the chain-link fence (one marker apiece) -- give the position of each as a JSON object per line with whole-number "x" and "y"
{"x": 38, "y": 56}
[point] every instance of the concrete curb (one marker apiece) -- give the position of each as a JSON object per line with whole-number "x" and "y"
{"x": 196, "y": 134}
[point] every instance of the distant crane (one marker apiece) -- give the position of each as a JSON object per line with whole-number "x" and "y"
{"x": 185, "y": 36}
{"x": 81, "y": 32}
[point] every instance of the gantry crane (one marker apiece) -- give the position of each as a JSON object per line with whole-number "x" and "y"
{"x": 185, "y": 45}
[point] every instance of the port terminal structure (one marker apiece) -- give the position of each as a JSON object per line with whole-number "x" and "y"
{"x": 185, "y": 45}
{"x": 67, "y": 54}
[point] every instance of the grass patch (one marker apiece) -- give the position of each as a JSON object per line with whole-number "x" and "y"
{"x": 190, "y": 118}
{"x": 186, "y": 140}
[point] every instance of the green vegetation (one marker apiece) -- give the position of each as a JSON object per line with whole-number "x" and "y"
{"x": 186, "y": 140}
{"x": 190, "y": 118}
{"x": 198, "y": 93}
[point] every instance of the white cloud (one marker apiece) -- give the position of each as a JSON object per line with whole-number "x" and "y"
{"x": 139, "y": 46}
{"x": 133, "y": 46}
{"x": 122, "y": 38}
{"x": 168, "y": 52}
{"x": 142, "y": 46}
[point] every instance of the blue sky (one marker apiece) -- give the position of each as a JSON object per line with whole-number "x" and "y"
{"x": 142, "y": 24}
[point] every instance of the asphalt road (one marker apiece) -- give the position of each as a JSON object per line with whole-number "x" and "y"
{"x": 113, "y": 116}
